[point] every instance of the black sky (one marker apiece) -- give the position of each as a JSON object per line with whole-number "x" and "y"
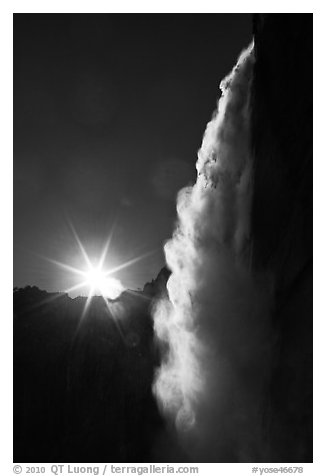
{"x": 109, "y": 112}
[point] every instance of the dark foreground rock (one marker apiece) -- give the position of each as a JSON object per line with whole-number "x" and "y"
{"x": 82, "y": 385}
{"x": 282, "y": 221}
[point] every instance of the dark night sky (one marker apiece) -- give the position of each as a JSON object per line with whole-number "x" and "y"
{"x": 109, "y": 112}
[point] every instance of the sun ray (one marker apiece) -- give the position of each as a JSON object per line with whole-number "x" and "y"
{"x": 87, "y": 303}
{"x": 138, "y": 295}
{"x": 95, "y": 277}
{"x": 83, "y": 314}
{"x": 47, "y": 300}
{"x": 77, "y": 286}
{"x": 130, "y": 262}
{"x": 82, "y": 249}
{"x": 64, "y": 266}
{"x": 106, "y": 247}
{"x": 116, "y": 321}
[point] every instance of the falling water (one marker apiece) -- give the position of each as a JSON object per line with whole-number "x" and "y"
{"x": 212, "y": 326}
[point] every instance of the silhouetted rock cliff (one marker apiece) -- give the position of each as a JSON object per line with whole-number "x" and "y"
{"x": 282, "y": 220}
{"x": 82, "y": 382}
{"x": 157, "y": 286}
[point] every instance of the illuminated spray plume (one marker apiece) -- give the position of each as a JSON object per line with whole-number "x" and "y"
{"x": 213, "y": 326}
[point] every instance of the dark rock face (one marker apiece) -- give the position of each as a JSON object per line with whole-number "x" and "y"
{"x": 82, "y": 385}
{"x": 282, "y": 221}
{"x": 157, "y": 286}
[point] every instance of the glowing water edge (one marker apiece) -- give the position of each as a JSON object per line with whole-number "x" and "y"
{"x": 213, "y": 302}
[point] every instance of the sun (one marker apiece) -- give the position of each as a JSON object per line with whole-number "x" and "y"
{"x": 98, "y": 282}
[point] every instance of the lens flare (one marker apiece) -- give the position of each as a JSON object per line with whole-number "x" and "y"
{"x": 98, "y": 281}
